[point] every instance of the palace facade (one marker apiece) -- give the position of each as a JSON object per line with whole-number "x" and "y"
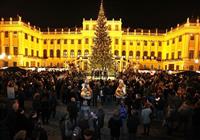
{"x": 27, "y": 46}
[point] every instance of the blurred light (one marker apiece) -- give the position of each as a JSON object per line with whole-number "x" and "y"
{"x": 9, "y": 56}
{"x": 170, "y": 72}
{"x": 196, "y": 61}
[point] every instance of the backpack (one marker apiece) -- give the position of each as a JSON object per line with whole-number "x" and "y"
{"x": 123, "y": 112}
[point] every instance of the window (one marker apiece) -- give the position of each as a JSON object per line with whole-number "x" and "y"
{"x": 86, "y": 41}
{"x": 173, "y": 41}
{"x": 131, "y": 54}
{"x": 145, "y": 43}
{"x": 191, "y": 37}
{"x": 124, "y": 42}
{"x": 72, "y": 53}
{"x": 58, "y": 41}
{"x": 179, "y": 55}
{"x": 37, "y": 53}
{"x": 167, "y": 55}
{"x": 172, "y": 57}
{"x": 51, "y": 41}
{"x": 26, "y": 51}
{"x": 6, "y": 34}
{"x": 37, "y": 40}
{"x": 116, "y": 27}
{"x": 26, "y": 36}
{"x": 191, "y": 67}
{"x": 15, "y": 34}
{"x": 72, "y": 41}
{"x": 15, "y": 49}
{"x": 116, "y": 53}
{"x": 45, "y": 53}
{"x": 131, "y": 43}
{"x": 51, "y": 53}
{"x": 138, "y": 43}
{"x": 180, "y": 38}
{"x": 87, "y": 27}
{"x": 138, "y": 54}
{"x": 45, "y": 41}
{"x": 152, "y": 43}
{"x": 32, "y": 53}
{"x": 145, "y": 54}
{"x": 15, "y": 64}
{"x": 177, "y": 67}
{"x": 159, "y": 55}
{"x": 159, "y": 43}
{"x": 79, "y": 41}
{"x": 116, "y": 41}
{"x": 109, "y": 27}
{"x": 65, "y": 41}
{"x": 58, "y": 53}
{"x": 191, "y": 54}
{"x": 65, "y": 53}
{"x": 152, "y": 54}
{"x": 86, "y": 53}
{"x": 32, "y": 38}
{"x": 167, "y": 42}
{"x": 79, "y": 52}
{"x": 7, "y": 50}
{"x": 124, "y": 53}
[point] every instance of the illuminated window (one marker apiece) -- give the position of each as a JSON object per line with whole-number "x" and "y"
{"x": 15, "y": 49}
{"x": 191, "y": 54}
{"x": 51, "y": 53}
{"x": 72, "y": 53}
{"x": 6, "y": 34}
{"x": 65, "y": 53}
{"x": 179, "y": 55}
{"x": 26, "y": 51}
{"x": 130, "y": 54}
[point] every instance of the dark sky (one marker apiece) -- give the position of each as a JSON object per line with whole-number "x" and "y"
{"x": 134, "y": 13}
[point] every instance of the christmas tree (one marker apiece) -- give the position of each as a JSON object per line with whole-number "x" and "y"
{"x": 101, "y": 57}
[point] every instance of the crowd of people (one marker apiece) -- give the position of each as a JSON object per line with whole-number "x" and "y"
{"x": 141, "y": 98}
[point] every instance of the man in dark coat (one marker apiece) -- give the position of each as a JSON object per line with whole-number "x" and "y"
{"x": 115, "y": 124}
{"x": 73, "y": 110}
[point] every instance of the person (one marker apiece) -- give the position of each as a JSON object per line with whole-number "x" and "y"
{"x": 115, "y": 124}
{"x": 120, "y": 92}
{"x": 146, "y": 120}
{"x": 73, "y": 110}
{"x": 86, "y": 91}
{"x": 132, "y": 124}
{"x": 100, "y": 117}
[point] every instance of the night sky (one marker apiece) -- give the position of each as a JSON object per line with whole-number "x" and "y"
{"x": 146, "y": 14}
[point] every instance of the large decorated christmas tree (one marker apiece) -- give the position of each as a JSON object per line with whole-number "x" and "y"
{"x": 101, "y": 57}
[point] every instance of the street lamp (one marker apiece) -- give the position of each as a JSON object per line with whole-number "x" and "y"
{"x": 3, "y": 56}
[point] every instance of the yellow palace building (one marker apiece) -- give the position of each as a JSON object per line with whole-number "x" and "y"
{"x": 24, "y": 45}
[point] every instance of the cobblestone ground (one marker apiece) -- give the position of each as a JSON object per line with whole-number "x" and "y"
{"x": 157, "y": 132}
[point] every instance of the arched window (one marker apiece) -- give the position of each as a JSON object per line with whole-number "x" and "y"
{"x": 131, "y": 54}
{"x": 86, "y": 53}
{"x": 58, "y": 53}
{"x": 51, "y": 53}
{"x": 65, "y": 53}
{"x": 116, "y": 53}
{"x": 72, "y": 53}
{"x": 138, "y": 54}
{"x": 45, "y": 53}
{"x": 79, "y": 52}
{"x": 123, "y": 53}
{"x": 152, "y": 53}
{"x": 145, "y": 53}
